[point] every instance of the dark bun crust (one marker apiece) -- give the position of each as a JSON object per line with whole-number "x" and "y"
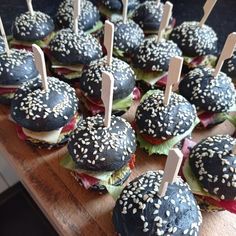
{"x": 148, "y": 15}
{"x": 206, "y": 92}
{"x": 91, "y": 80}
{"x": 97, "y": 148}
{"x": 117, "y": 5}
{"x": 159, "y": 121}
{"x": 2, "y": 45}
{"x": 17, "y": 68}
{"x": 37, "y": 110}
{"x": 194, "y": 40}
{"x": 69, "y": 48}
{"x": 89, "y": 15}
{"x": 127, "y": 36}
{"x": 30, "y": 28}
{"x": 213, "y": 163}
{"x": 154, "y": 56}
{"x": 229, "y": 66}
{"x": 140, "y": 211}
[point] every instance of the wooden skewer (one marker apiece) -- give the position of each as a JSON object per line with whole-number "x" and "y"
{"x": 30, "y": 7}
{"x": 76, "y": 14}
{"x": 158, "y": 2}
{"x": 171, "y": 170}
{"x": 165, "y": 19}
{"x": 7, "y": 50}
{"x": 40, "y": 64}
{"x": 125, "y": 10}
{"x": 207, "y": 10}
{"x": 107, "y": 96}
{"x": 174, "y": 73}
{"x": 108, "y": 40}
{"x": 226, "y": 53}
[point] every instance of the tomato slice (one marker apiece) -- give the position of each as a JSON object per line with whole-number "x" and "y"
{"x": 17, "y": 46}
{"x": 132, "y": 161}
{"x": 69, "y": 126}
{"x": 206, "y": 118}
{"x": 155, "y": 141}
{"x": 62, "y": 71}
{"x": 86, "y": 180}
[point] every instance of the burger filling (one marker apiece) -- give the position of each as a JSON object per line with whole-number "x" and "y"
{"x": 98, "y": 26}
{"x": 8, "y": 91}
{"x": 124, "y": 104}
{"x": 91, "y": 178}
{"x": 50, "y": 137}
{"x": 152, "y": 78}
{"x": 193, "y": 62}
{"x": 28, "y": 45}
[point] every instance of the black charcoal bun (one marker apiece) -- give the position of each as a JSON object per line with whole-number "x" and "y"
{"x": 117, "y": 5}
{"x": 140, "y": 211}
{"x": 37, "y": 110}
{"x": 207, "y": 93}
{"x": 30, "y": 28}
{"x": 155, "y": 119}
{"x": 71, "y": 49}
{"x": 127, "y": 36}
{"x": 194, "y": 40}
{"x": 2, "y": 45}
{"x": 154, "y": 56}
{"x": 213, "y": 163}
{"x": 97, "y": 148}
{"x": 91, "y": 80}
{"x": 89, "y": 15}
{"x": 17, "y": 67}
{"x": 229, "y": 66}
{"x": 148, "y": 15}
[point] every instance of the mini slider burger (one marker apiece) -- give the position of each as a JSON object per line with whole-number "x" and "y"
{"x": 16, "y": 67}
{"x": 142, "y": 210}
{"x": 198, "y": 42}
{"x": 45, "y": 111}
{"x": 127, "y": 36}
{"x": 163, "y": 120}
{"x": 89, "y": 20}
{"x": 32, "y": 27}
{"x": 210, "y": 172}
{"x": 213, "y": 96}
{"x": 111, "y": 8}
{"x": 148, "y": 16}
{"x": 90, "y": 83}
{"x": 70, "y": 50}
{"x": 152, "y": 57}
{"x": 101, "y": 150}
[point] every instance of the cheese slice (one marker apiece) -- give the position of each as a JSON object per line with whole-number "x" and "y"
{"x": 77, "y": 68}
{"x": 49, "y": 137}
{"x": 10, "y": 86}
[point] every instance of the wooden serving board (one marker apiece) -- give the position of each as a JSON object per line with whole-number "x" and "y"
{"x": 70, "y": 208}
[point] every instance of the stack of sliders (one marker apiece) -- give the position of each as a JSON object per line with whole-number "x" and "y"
{"x": 158, "y": 203}
{"x": 16, "y": 67}
{"x": 210, "y": 90}
{"x": 210, "y": 171}
{"x": 151, "y": 61}
{"x": 101, "y": 150}
{"x": 32, "y": 27}
{"x": 163, "y": 120}
{"x": 124, "y": 79}
{"x": 89, "y": 20}
{"x": 127, "y": 36}
{"x": 45, "y": 111}
{"x": 71, "y": 50}
{"x": 148, "y": 16}
{"x": 198, "y": 42}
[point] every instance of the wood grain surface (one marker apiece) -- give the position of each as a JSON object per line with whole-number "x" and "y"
{"x": 70, "y": 208}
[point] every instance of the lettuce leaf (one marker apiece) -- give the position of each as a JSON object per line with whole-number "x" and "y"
{"x": 163, "y": 149}
{"x": 231, "y": 119}
{"x": 95, "y": 28}
{"x": 114, "y": 191}
{"x": 149, "y": 77}
{"x": 118, "y": 53}
{"x": 123, "y": 104}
